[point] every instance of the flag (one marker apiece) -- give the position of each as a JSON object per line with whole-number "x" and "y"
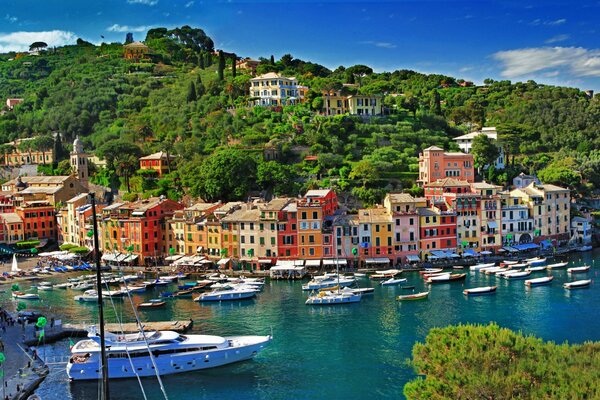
{"x": 71, "y": 344}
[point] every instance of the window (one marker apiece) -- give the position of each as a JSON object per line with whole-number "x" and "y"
{"x": 261, "y": 240}
{"x": 315, "y": 215}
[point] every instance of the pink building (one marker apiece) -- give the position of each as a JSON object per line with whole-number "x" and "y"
{"x": 435, "y": 163}
{"x": 405, "y": 218}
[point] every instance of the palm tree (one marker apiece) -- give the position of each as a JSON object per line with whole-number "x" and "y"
{"x": 125, "y": 166}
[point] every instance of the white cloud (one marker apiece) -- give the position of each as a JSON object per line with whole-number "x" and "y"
{"x": 383, "y": 45}
{"x": 554, "y": 22}
{"x": 465, "y": 69}
{"x": 20, "y": 41}
{"x": 189, "y": 4}
{"x": 558, "y": 38}
{"x": 11, "y": 18}
{"x": 573, "y": 61}
{"x": 127, "y": 28}
{"x": 144, "y": 2}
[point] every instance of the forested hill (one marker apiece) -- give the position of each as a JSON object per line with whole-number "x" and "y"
{"x": 180, "y": 100}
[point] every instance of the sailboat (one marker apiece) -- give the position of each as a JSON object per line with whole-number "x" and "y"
{"x": 14, "y": 269}
{"x": 156, "y": 353}
{"x": 334, "y": 297}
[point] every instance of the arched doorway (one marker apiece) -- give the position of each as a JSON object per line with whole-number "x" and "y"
{"x": 525, "y": 238}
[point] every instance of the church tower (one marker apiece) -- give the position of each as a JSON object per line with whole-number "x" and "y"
{"x": 79, "y": 162}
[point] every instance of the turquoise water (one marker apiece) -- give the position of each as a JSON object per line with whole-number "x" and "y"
{"x": 352, "y": 352}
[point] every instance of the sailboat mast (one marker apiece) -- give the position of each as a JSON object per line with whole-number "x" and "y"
{"x": 105, "y": 392}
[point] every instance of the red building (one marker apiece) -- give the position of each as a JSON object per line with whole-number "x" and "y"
{"x": 287, "y": 232}
{"x": 437, "y": 230}
{"x": 158, "y": 162}
{"x": 315, "y": 233}
{"x": 38, "y": 218}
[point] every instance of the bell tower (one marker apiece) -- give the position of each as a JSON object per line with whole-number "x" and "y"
{"x": 79, "y": 162}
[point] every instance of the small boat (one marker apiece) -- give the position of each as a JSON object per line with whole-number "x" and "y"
{"x": 557, "y": 265}
{"x": 432, "y": 271}
{"x": 393, "y": 281}
{"x": 115, "y": 294}
{"x": 134, "y": 289}
{"x": 458, "y": 267}
{"x": 89, "y": 296}
{"x": 517, "y": 275}
{"x": 477, "y": 267}
{"x": 183, "y": 293}
{"x": 226, "y": 295}
{"x": 535, "y": 261}
{"x": 578, "y": 270}
{"x": 479, "y": 291}
{"x": 546, "y": 280}
{"x": 536, "y": 269}
{"x": 584, "y": 248}
{"x": 333, "y": 298}
{"x": 45, "y": 287}
{"x": 62, "y": 285}
{"x": 520, "y": 265}
{"x": 506, "y": 263}
{"x": 414, "y": 296}
{"x": 577, "y": 284}
{"x": 389, "y": 272}
{"x": 82, "y": 286}
{"x": 360, "y": 275}
{"x": 25, "y": 296}
{"x": 425, "y": 276}
{"x": 153, "y": 303}
{"x": 363, "y": 291}
{"x": 446, "y": 278}
{"x": 328, "y": 281}
{"x": 495, "y": 270}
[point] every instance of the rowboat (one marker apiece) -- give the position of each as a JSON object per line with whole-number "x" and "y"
{"x": 535, "y": 261}
{"x": 546, "y": 280}
{"x": 153, "y": 303}
{"x": 578, "y": 270}
{"x": 557, "y": 265}
{"x": 393, "y": 281}
{"x": 446, "y": 278}
{"x": 458, "y": 267}
{"x": 508, "y": 262}
{"x": 389, "y": 272}
{"x": 536, "y": 269}
{"x": 431, "y": 271}
{"x": 519, "y": 265}
{"x": 425, "y": 276}
{"x": 495, "y": 270}
{"x": 414, "y": 296}
{"x": 517, "y": 275}
{"x": 477, "y": 267}
{"x": 25, "y": 296}
{"x": 577, "y": 284}
{"x": 479, "y": 291}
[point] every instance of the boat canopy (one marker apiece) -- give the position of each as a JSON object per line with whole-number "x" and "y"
{"x": 378, "y": 260}
{"x": 525, "y": 246}
{"x": 413, "y": 258}
{"x": 470, "y": 253}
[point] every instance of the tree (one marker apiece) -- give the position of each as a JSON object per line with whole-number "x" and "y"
{"x": 125, "y": 167}
{"x": 509, "y": 137}
{"x": 365, "y": 172}
{"x": 559, "y": 175}
{"x": 233, "y": 65}
{"x": 436, "y": 105}
{"x": 276, "y": 178}
{"x": 37, "y": 46}
{"x": 225, "y": 175}
{"x": 200, "y": 89}
{"x": 489, "y": 362}
{"x": 191, "y": 93}
{"x": 221, "y": 69}
{"x": 111, "y": 149}
{"x": 484, "y": 151}
{"x": 129, "y": 38}
{"x": 359, "y": 71}
{"x": 201, "y": 61}
{"x": 272, "y": 60}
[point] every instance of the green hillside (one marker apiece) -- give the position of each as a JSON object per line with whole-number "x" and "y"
{"x": 176, "y": 102}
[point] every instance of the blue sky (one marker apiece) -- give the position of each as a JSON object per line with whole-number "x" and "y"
{"x": 554, "y": 42}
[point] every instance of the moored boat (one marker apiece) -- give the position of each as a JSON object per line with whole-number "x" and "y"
{"x": 445, "y": 278}
{"x": 536, "y": 269}
{"x": 535, "y": 261}
{"x": 479, "y": 291}
{"x": 152, "y": 303}
{"x": 578, "y": 270}
{"x": 333, "y": 298}
{"x": 584, "y": 248}
{"x": 495, "y": 270}
{"x": 546, "y": 280}
{"x": 25, "y": 296}
{"x": 577, "y": 284}
{"x": 477, "y": 267}
{"x": 226, "y": 295}
{"x": 392, "y": 281}
{"x": 431, "y": 271}
{"x": 557, "y": 265}
{"x": 414, "y": 296}
{"x": 89, "y": 296}
{"x": 517, "y": 275}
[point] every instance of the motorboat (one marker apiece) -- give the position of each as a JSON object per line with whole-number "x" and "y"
{"x": 477, "y": 267}
{"x": 427, "y": 271}
{"x": 557, "y": 265}
{"x": 578, "y": 270}
{"x": 89, "y": 296}
{"x": 115, "y": 294}
{"x": 518, "y": 266}
{"x": 536, "y": 261}
{"x": 445, "y": 278}
{"x": 458, "y": 267}
{"x": 577, "y": 284}
{"x": 392, "y": 271}
{"x": 152, "y": 303}
{"x": 82, "y": 286}
{"x": 328, "y": 281}
{"x": 506, "y": 263}
{"x": 226, "y": 295}
{"x": 517, "y": 275}
{"x": 46, "y": 287}
{"x": 414, "y": 296}
{"x": 393, "y": 281}
{"x": 495, "y": 270}
{"x": 584, "y": 248}
{"x": 129, "y": 356}
{"x": 546, "y": 280}
{"x": 425, "y": 276}
{"x": 479, "y": 291}
{"x": 336, "y": 297}
{"x": 133, "y": 289}
{"x": 536, "y": 269}
{"x": 62, "y": 285}
{"x": 25, "y": 296}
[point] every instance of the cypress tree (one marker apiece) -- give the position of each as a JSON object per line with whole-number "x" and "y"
{"x": 201, "y": 61}
{"x": 221, "y": 69}
{"x": 191, "y": 94}
{"x": 200, "y": 90}
{"x": 233, "y": 66}
{"x": 272, "y": 60}
{"x": 208, "y": 61}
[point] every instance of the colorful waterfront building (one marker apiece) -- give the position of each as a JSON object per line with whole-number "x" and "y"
{"x": 138, "y": 228}
{"x": 517, "y": 222}
{"x": 491, "y": 215}
{"x": 287, "y": 232}
{"x": 404, "y": 211}
{"x": 196, "y": 239}
{"x": 376, "y": 236}
{"x": 271, "y": 214}
{"x": 312, "y": 210}
{"x": 11, "y": 228}
{"x": 211, "y": 226}
{"x": 69, "y": 224}
{"x": 346, "y": 239}
{"x": 38, "y": 220}
{"x": 176, "y": 240}
{"x": 438, "y": 234}
{"x": 435, "y": 163}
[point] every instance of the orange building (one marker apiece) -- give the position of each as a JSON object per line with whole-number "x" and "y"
{"x": 313, "y": 242}
{"x": 135, "y": 51}
{"x": 435, "y": 163}
{"x": 11, "y": 228}
{"x": 158, "y": 162}
{"x": 376, "y": 236}
{"x": 38, "y": 220}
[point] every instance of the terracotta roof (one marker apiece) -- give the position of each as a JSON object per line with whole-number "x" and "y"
{"x": 11, "y": 218}
{"x": 135, "y": 44}
{"x": 161, "y": 155}
{"x": 434, "y": 148}
{"x": 448, "y": 182}
{"x": 33, "y": 180}
{"x": 400, "y": 198}
{"x": 276, "y": 204}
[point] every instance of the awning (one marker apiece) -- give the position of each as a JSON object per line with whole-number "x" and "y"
{"x": 546, "y": 243}
{"x": 439, "y": 254}
{"x": 205, "y": 261}
{"x": 470, "y": 253}
{"x": 298, "y": 262}
{"x": 313, "y": 263}
{"x": 129, "y": 258}
{"x": 265, "y": 261}
{"x": 341, "y": 261}
{"x": 199, "y": 249}
{"x": 492, "y": 225}
{"x": 247, "y": 259}
{"x": 486, "y": 253}
{"x": 377, "y": 260}
{"x": 223, "y": 261}
{"x": 525, "y": 246}
{"x": 174, "y": 257}
{"x": 413, "y": 258}
{"x": 510, "y": 249}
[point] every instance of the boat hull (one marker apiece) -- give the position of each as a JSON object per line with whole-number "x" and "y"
{"x": 120, "y": 368}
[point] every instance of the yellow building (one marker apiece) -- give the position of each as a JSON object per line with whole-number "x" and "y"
{"x": 176, "y": 233}
{"x": 334, "y": 102}
{"x": 273, "y": 89}
{"x": 135, "y": 51}
{"x": 70, "y": 225}
{"x": 376, "y": 236}
{"x": 13, "y": 157}
{"x": 491, "y": 215}
{"x": 365, "y": 104}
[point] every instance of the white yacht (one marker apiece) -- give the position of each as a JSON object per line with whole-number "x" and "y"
{"x": 327, "y": 281}
{"x": 225, "y": 295}
{"x": 89, "y": 296}
{"x": 343, "y": 296}
{"x": 173, "y": 353}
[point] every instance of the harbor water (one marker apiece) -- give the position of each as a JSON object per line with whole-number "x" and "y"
{"x": 352, "y": 351}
